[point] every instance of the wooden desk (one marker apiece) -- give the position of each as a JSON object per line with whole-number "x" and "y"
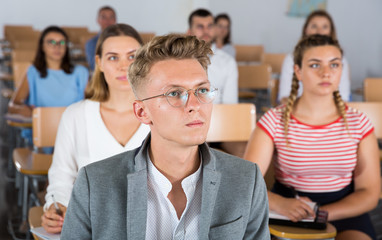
{"x": 286, "y": 232}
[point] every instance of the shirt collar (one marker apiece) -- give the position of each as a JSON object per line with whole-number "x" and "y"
{"x": 165, "y": 186}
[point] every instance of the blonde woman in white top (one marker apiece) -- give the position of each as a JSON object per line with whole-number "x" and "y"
{"x": 101, "y": 126}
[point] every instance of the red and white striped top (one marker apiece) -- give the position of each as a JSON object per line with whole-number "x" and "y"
{"x": 318, "y": 158}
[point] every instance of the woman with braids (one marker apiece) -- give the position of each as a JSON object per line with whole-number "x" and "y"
{"x": 318, "y": 22}
{"x": 326, "y": 152}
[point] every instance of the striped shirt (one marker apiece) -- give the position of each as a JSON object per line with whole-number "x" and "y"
{"x": 318, "y": 158}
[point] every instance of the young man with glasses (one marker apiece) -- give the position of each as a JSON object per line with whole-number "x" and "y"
{"x": 174, "y": 186}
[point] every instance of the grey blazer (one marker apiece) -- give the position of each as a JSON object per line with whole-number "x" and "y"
{"x": 109, "y": 198}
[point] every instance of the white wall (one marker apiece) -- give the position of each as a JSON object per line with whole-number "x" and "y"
{"x": 254, "y": 22}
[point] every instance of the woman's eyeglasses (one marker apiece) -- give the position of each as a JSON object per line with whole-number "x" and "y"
{"x": 178, "y": 96}
{"x": 53, "y": 43}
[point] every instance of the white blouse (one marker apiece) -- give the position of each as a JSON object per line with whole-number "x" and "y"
{"x": 82, "y": 138}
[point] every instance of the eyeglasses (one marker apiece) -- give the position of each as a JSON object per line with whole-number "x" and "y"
{"x": 178, "y": 96}
{"x": 53, "y": 43}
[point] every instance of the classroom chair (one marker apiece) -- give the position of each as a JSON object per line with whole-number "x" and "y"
{"x": 232, "y": 122}
{"x": 32, "y": 164}
{"x": 254, "y": 84}
{"x": 74, "y": 33}
{"x": 275, "y": 60}
{"x": 372, "y": 88}
{"x": 23, "y": 55}
{"x": 373, "y": 111}
{"x": 249, "y": 53}
{"x": 34, "y": 218}
{"x": 146, "y": 36}
{"x": 11, "y": 29}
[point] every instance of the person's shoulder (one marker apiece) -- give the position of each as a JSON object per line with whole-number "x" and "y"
{"x": 231, "y": 165}
{"x": 277, "y": 112}
{"x": 93, "y": 40}
{"x": 354, "y": 113}
{"x": 111, "y": 166}
{"x": 32, "y": 70}
{"x": 223, "y": 56}
{"x": 80, "y": 69}
{"x": 77, "y": 109}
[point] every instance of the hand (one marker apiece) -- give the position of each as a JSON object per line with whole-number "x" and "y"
{"x": 51, "y": 221}
{"x": 295, "y": 208}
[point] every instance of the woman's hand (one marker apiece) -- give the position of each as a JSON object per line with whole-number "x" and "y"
{"x": 294, "y": 208}
{"x": 51, "y": 221}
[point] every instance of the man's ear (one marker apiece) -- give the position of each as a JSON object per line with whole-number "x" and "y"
{"x": 297, "y": 72}
{"x": 141, "y": 113}
{"x": 189, "y": 32}
{"x": 98, "y": 62}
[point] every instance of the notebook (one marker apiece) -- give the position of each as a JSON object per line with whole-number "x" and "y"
{"x": 319, "y": 222}
{"x": 40, "y": 232}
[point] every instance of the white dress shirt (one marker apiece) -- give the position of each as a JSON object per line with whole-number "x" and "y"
{"x": 223, "y": 74}
{"x": 162, "y": 220}
{"x": 82, "y": 138}
{"x": 286, "y": 76}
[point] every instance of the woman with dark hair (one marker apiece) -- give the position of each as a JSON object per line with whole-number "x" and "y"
{"x": 326, "y": 152}
{"x": 318, "y": 22}
{"x": 52, "y": 80}
{"x": 101, "y": 126}
{"x": 223, "y": 34}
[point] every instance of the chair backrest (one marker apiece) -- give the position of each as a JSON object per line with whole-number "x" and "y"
{"x": 23, "y": 55}
{"x": 11, "y": 29}
{"x": 232, "y": 122}
{"x": 374, "y": 111}
{"x": 372, "y": 89}
{"x": 25, "y": 45}
{"x": 254, "y": 76}
{"x": 19, "y": 69}
{"x": 32, "y": 36}
{"x": 75, "y": 33}
{"x": 146, "y": 36}
{"x": 275, "y": 60}
{"x": 249, "y": 53}
{"x": 45, "y": 121}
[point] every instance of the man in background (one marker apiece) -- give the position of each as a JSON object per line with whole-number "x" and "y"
{"x": 222, "y": 72}
{"x": 106, "y": 17}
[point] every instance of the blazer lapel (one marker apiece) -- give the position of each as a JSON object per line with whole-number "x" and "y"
{"x": 136, "y": 217}
{"x": 136, "y": 205}
{"x": 211, "y": 183}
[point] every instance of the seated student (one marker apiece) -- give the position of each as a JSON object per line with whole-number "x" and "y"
{"x": 106, "y": 17}
{"x": 173, "y": 186}
{"x": 223, "y": 34}
{"x": 100, "y": 126}
{"x": 222, "y": 72}
{"x": 52, "y": 80}
{"x": 326, "y": 151}
{"x": 318, "y": 22}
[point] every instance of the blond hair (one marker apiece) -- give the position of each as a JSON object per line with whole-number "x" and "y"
{"x": 172, "y": 46}
{"x": 302, "y": 46}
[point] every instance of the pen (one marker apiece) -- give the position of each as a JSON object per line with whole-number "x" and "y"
{"x": 58, "y": 210}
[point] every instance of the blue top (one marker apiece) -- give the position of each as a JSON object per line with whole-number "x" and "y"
{"x": 57, "y": 89}
{"x": 90, "y": 49}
